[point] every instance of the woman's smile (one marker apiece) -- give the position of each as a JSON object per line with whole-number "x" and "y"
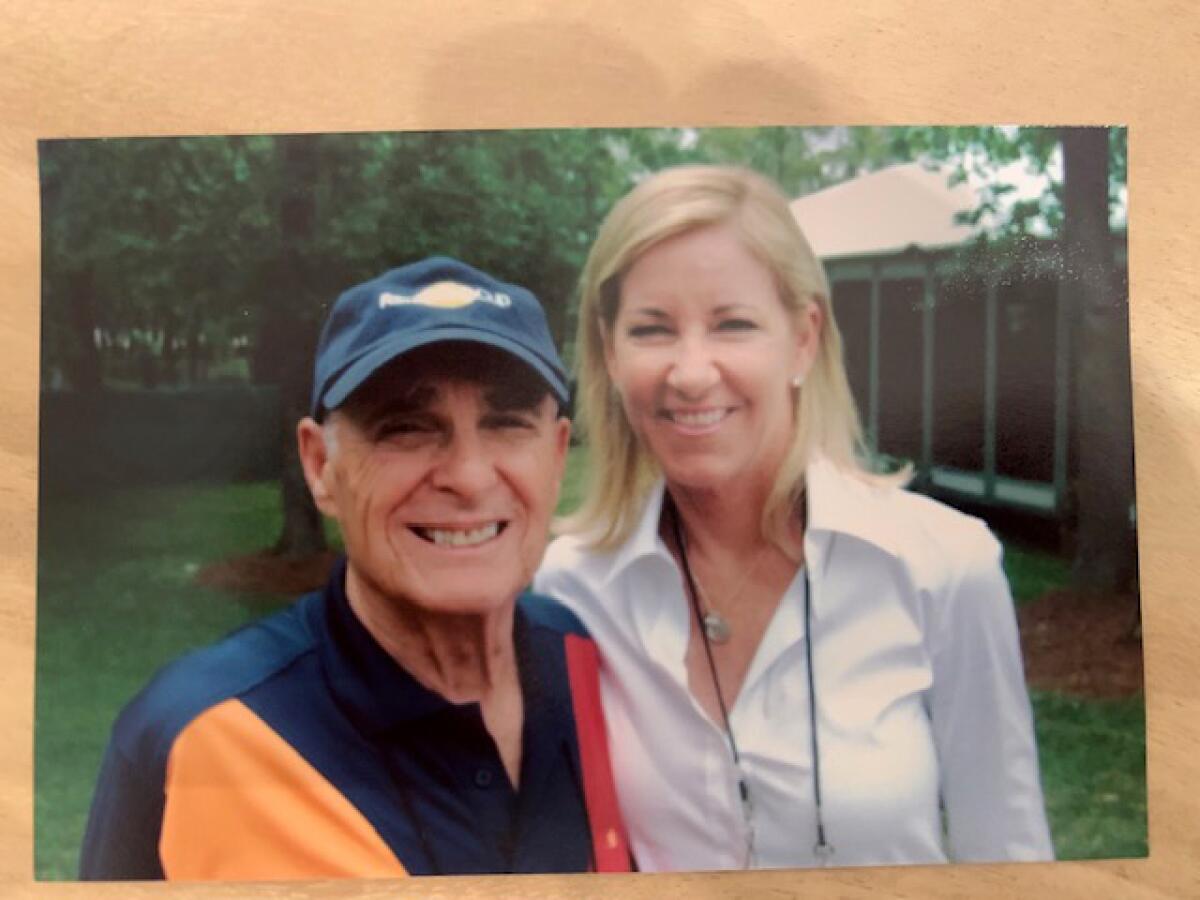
{"x": 698, "y": 421}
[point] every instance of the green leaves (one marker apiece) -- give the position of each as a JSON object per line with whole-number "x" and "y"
{"x": 182, "y": 230}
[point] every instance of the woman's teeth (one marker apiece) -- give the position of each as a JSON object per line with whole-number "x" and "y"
{"x": 699, "y": 419}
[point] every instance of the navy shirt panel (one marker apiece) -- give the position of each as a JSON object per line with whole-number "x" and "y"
{"x": 424, "y": 772}
{"x": 121, "y": 837}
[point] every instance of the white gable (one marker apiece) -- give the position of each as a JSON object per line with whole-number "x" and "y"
{"x": 910, "y": 204}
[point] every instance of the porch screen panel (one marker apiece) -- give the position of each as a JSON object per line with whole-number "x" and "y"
{"x": 1025, "y": 338}
{"x": 852, "y": 309}
{"x": 900, "y": 373}
{"x": 959, "y": 363}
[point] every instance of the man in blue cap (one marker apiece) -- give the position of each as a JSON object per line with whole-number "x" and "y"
{"x": 422, "y": 713}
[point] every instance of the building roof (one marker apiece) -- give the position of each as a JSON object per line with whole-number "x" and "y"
{"x": 892, "y": 209}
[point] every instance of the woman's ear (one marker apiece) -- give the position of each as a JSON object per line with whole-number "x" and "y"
{"x": 809, "y": 321}
{"x": 606, "y": 343}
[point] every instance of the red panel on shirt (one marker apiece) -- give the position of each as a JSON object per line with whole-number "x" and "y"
{"x": 609, "y": 841}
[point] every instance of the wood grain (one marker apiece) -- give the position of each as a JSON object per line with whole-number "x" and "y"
{"x": 129, "y": 67}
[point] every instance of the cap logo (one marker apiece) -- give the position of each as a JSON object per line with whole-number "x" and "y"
{"x": 446, "y": 295}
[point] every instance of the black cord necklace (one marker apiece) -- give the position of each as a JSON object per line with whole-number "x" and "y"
{"x": 822, "y": 849}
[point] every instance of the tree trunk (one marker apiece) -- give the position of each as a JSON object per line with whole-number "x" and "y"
{"x": 287, "y": 340}
{"x": 303, "y": 531}
{"x": 198, "y": 349}
{"x": 1106, "y": 551}
{"x": 167, "y": 360}
{"x": 68, "y": 282}
{"x": 85, "y": 372}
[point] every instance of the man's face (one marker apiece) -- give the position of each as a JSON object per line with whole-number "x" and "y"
{"x": 443, "y": 487}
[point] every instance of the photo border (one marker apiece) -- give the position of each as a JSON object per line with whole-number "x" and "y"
{"x": 75, "y": 70}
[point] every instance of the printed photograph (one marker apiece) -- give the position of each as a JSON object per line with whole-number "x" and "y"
{"x": 605, "y": 500}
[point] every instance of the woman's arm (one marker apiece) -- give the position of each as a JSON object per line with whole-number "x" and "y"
{"x": 981, "y": 717}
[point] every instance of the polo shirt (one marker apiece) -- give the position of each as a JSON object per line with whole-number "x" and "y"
{"x": 298, "y": 748}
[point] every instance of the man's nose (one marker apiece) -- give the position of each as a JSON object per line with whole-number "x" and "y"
{"x": 464, "y": 466}
{"x": 694, "y": 367}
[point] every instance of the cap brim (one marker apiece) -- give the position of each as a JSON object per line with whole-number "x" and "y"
{"x": 357, "y": 373}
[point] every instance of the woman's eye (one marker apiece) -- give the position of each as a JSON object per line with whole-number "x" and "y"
{"x": 736, "y": 325}
{"x": 642, "y": 331}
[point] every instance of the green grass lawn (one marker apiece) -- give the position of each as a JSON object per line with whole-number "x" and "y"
{"x": 1093, "y": 756}
{"x": 116, "y": 600}
{"x": 1031, "y": 572}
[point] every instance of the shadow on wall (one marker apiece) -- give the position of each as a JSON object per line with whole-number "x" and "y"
{"x": 600, "y": 79}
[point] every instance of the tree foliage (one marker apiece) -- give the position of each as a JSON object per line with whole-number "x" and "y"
{"x": 164, "y": 248}
{"x": 165, "y": 245}
{"x": 803, "y": 160}
{"x": 161, "y": 254}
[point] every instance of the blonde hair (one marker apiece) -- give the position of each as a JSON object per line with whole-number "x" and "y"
{"x": 667, "y": 204}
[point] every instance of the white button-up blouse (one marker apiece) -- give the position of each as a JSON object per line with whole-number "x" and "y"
{"x": 920, "y": 694}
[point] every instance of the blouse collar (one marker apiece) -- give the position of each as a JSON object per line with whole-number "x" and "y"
{"x": 839, "y": 502}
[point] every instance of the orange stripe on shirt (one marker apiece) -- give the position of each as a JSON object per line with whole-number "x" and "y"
{"x": 242, "y": 804}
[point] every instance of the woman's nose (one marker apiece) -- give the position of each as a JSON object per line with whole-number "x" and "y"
{"x": 694, "y": 368}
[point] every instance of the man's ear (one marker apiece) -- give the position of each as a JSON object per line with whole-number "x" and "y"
{"x": 562, "y": 446}
{"x": 315, "y": 458}
{"x": 562, "y": 439}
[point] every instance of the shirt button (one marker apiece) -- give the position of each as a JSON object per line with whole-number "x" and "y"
{"x": 483, "y": 778}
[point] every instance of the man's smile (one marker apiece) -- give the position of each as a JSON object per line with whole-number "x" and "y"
{"x": 459, "y": 536}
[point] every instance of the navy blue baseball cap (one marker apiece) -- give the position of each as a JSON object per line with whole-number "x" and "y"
{"x": 437, "y": 299}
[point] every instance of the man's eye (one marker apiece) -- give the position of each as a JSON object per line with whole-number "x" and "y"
{"x": 403, "y": 428}
{"x": 508, "y": 421}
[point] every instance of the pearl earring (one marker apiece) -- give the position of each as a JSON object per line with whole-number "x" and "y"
{"x": 797, "y": 380}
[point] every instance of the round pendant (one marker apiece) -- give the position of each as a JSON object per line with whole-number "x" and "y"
{"x": 716, "y": 628}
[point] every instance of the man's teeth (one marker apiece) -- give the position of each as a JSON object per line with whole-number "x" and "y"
{"x": 454, "y": 537}
{"x": 699, "y": 419}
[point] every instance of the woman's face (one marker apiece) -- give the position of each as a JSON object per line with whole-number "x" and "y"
{"x": 703, "y": 354}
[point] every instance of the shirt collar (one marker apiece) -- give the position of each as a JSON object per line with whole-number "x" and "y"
{"x": 838, "y": 502}
{"x": 843, "y": 502}
{"x": 376, "y": 691}
{"x": 645, "y": 540}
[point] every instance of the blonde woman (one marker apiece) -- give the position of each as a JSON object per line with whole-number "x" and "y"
{"x": 803, "y": 663}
